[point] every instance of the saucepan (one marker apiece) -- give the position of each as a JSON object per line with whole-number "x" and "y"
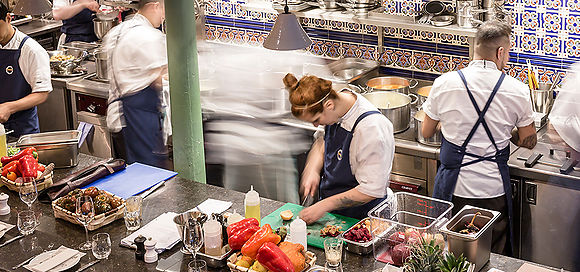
{"x": 391, "y": 83}
{"x": 422, "y": 95}
{"x": 434, "y": 140}
{"x": 102, "y": 26}
{"x": 395, "y": 106}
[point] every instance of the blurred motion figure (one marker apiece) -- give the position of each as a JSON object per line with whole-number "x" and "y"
{"x": 77, "y": 19}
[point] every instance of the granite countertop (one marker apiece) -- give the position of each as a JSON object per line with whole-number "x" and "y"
{"x": 177, "y": 195}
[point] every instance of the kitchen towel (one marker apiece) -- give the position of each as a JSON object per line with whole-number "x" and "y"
{"x": 211, "y": 205}
{"x": 161, "y": 229}
{"x": 52, "y": 259}
{"x": 4, "y": 227}
{"x": 135, "y": 179}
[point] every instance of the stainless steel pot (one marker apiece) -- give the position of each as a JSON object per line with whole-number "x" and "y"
{"x": 101, "y": 61}
{"x": 391, "y": 83}
{"x": 102, "y": 26}
{"x": 395, "y": 106}
{"x": 422, "y": 95}
{"x": 543, "y": 98}
{"x": 434, "y": 140}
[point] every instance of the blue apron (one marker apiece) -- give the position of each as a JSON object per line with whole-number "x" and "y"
{"x": 451, "y": 157}
{"x": 338, "y": 177}
{"x": 14, "y": 86}
{"x": 79, "y": 27}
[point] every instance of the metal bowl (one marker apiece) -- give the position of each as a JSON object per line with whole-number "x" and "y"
{"x": 65, "y": 67}
{"x": 442, "y": 20}
{"x": 102, "y": 26}
{"x": 107, "y": 15}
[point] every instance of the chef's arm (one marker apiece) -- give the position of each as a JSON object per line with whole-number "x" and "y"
{"x": 67, "y": 12}
{"x": 27, "y": 102}
{"x": 350, "y": 198}
{"x": 525, "y": 136}
{"x": 314, "y": 162}
{"x": 429, "y": 126}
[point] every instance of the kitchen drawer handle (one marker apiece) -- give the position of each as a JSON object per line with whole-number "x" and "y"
{"x": 402, "y": 186}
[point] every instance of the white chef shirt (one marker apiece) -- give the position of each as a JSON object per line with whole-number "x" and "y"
{"x": 372, "y": 148}
{"x": 449, "y": 103}
{"x": 34, "y": 62}
{"x": 136, "y": 60}
{"x": 61, "y": 3}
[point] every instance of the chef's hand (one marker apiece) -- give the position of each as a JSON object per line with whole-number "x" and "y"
{"x": 91, "y": 5}
{"x": 309, "y": 183}
{"x": 313, "y": 213}
{"x": 5, "y": 112}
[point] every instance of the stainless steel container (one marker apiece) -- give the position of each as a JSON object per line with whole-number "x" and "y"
{"x": 543, "y": 98}
{"x": 102, "y": 26}
{"x": 101, "y": 61}
{"x": 475, "y": 247}
{"x": 395, "y": 106}
{"x": 65, "y": 67}
{"x": 391, "y": 83}
{"x": 215, "y": 261}
{"x": 434, "y": 140}
{"x": 59, "y": 147}
{"x": 422, "y": 95}
{"x": 351, "y": 69}
{"x": 328, "y": 4}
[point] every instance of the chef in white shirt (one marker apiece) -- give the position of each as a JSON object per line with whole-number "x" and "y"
{"x": 77, "y": 19}
{"x": 137, "y": 61}
{"x": 24, "y": 78}
{"x": 355, "y": 154}
{"x": 480, "y": 109}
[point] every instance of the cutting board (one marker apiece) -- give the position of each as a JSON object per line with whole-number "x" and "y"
{"x": 135, "y": 179}
{"x": 314, "y": 238}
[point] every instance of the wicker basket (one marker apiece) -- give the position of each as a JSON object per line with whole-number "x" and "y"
{"x": 97, "y": 222}
{"x": 310, "y": 260}
{"x": 13, "y": 186}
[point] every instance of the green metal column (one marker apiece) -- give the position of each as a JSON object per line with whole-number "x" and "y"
{"x": 188, "y": 152}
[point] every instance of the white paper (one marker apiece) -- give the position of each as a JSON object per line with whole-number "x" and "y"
{"x": 4, "y": 227}
{"x": 210, "y": 206}
{"x": 162, "y": 229}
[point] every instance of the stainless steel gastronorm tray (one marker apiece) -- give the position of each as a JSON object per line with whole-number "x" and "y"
{"x": 59, "y": 147}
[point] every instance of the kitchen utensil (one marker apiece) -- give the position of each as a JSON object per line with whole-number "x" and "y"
{"x": 422, "y": 95}
{"x": 391, "y": 83}
{"x": 351, "y": 69}
{"x": 475, "y": 247}
{"x": 58, "y": 147}
{"x": 101, "y": 61}
{"x": 12, "y": 240}
{"x": 65, "y": 67}
{"x": 542, "y": 98}
{"x": 216, "y": 261}
{"x": 442, "y": 20}
{"x": 84, "y": 267}
{"x": 102, "y": 26}
{"x": 395, "y": 106}
{"x": 50, "y": 246}
{"x": 434, "y": 140}
{"x": 432, "y": 8}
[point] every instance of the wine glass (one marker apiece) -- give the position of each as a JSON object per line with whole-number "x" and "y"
{"x": 28, "y": 191}
{"x": 193, "y": 236}
{"x": 85, "y": 212}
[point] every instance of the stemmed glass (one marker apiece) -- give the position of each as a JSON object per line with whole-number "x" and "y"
{"x": 193, "y": 236}
{"x": 28, "y": 191}
{"x": 85, "y": 212}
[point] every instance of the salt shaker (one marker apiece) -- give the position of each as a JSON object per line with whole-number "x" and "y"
{"x": 4, "y": 208}
{"x": 150, "y": 254}
{"x": 140, "y": 243}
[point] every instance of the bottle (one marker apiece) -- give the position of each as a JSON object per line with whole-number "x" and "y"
{"x": 298, "y": 234}
{"x": 3, "y": 151}
{"x": 234, "y": 218}
{"x": 212, "y": 237}
{"x": 252, "y": 204}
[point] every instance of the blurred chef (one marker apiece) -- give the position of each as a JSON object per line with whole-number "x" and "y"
{"x": 138, "y": 60}
{"x": 77, "y": 19}
{"x": 24, "y": 78}
{"x": 480, "y": 109}
{"x": 355, "y": 154}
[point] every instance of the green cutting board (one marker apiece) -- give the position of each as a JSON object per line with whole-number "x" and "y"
{"x": 314, "y": 238}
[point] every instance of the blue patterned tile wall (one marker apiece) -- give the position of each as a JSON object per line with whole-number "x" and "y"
{"x": 545, "y": 31}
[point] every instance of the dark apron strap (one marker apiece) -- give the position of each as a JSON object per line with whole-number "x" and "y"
{"x": 22, "y": 43}
{"x": 362, "y": 116}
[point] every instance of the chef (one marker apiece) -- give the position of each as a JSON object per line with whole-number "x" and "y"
{"x": 354, "y": 155}
{"x": 24, "y": 76}
{"x": 480, "y": 109}
{"x": 138, "y": 60}
{"x": 77, "y": 19}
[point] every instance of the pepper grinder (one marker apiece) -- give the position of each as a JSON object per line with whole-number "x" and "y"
{"x": 4, "y": 208}
{"x": 140, "y": 243}
{"x": 151, "y": 254}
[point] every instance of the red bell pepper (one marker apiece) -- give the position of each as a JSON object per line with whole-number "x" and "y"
{"x": 28, "y": 165}
{"x": 235, "y": 227}
{"x": 265, "y": 234}
{"x": 10, "y": 167}
{"x": 239, "y": 238}
{"x": 273, "y": 258}
{"x": 27, "y": 151}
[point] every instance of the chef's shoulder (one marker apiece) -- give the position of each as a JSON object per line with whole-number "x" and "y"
{"x": 516, "y": 87}
{"x": 143, "y": 33}
{"x": 32, "y": 48}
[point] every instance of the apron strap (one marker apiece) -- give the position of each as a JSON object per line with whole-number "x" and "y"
{"x": 362, "y": 116}
{"x": 480, "y": 113}
{"x": 22, "y": 42}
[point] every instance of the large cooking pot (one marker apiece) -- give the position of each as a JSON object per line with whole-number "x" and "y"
{"x": 391, "y": 83}
{"x": 434, "y": 140}
{"x": 422, "y": 95}
{"x": 101, "y": 61}
{"x": 102, "y": 26}
{"x": 395, "y": 106}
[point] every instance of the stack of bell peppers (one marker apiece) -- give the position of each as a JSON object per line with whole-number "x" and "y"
{"x": 259, "y": 244}
{"x": 24, "y": 164}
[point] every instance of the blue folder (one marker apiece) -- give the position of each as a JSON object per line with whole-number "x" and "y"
{"x": 135, "y": 179}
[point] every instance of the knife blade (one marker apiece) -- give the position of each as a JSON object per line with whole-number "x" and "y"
{"x": 11, "y": 240}
{"x": 88, "y": 265}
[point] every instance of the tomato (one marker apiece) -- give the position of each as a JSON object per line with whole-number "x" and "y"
{"x": 11, "y": 176}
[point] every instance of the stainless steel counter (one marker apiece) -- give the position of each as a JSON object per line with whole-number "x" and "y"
{"x": 85, "y": 85}
{"x": 39, "y": 27}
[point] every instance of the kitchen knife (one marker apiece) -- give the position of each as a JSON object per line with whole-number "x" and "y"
{"x": 87, "y": 265}
{"x": 11, "y": 240}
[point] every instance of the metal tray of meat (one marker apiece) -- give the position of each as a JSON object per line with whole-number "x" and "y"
{"x": 367, "y": 247}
